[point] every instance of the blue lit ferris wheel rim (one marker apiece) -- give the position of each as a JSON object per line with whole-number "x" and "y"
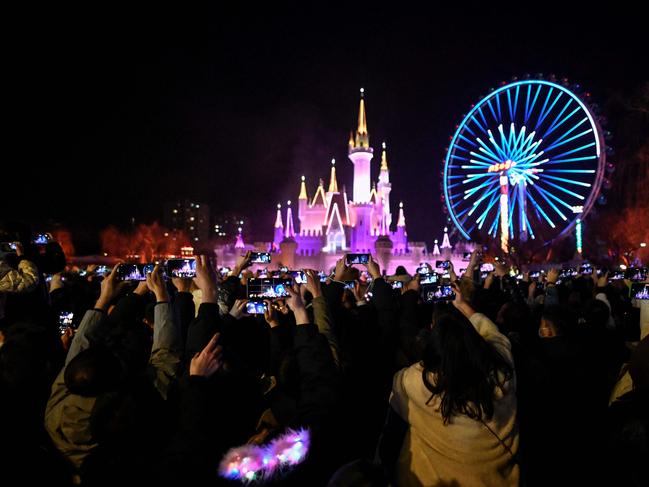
{"x": 549, "y": 206}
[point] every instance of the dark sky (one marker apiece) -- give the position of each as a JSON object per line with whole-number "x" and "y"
{"x": 108, "y": 121}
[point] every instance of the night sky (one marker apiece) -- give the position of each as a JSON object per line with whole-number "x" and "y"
{"x": 108, "y": 122}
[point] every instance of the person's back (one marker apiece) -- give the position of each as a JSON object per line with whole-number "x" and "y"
{"x": 460, "y": 404}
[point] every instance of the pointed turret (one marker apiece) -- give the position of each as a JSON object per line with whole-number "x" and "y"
{"x": 361, "y": 154}
{"x": 384, "y": 158}
{"x": 279, "y": 228}
{"x": 400, "y": 236}
{"x": 303, "y": 195}
{"x": 362, "y": 137}
{"x": 446, "y": 243}
{"x": 436, "y": 248}
{"x": 290, "y": 228}
{"x": 319, "y": 198}
{"x": 239, "y": 243}
{"x": 402, "y": 219}
{"x": 350, "y": 144}
{"x": 384, "y": 188}
{"x": 333, "y": 182}
{"x": 383, "y": 229}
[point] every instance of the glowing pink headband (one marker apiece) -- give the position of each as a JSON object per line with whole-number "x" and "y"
{"x": 252, "y": 462}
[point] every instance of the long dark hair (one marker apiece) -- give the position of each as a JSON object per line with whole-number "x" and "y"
{"x": 467, "y": 369}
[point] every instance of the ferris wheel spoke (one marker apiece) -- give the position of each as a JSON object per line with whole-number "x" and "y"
{"x": 470, "y": 191}
{"x": 485, "y": 160}
{"x": 573, "y": 159}
{"x": 531, "y": 109}
{"x": 475, "y": 120}
{"x": 554, "y": 127}
{"x": 578, "y": 149}
{"x": 476, "y": 204}
{"x": 484, "y": 120}
{"x": 483, "y": 216}
{"x": 511, "y": 214}
{"x": 485, "y": 149}
{"x": 567, "y": 191}
{"x": 528, "y": 145}
{"x": 503, "y": 138}
{"x": 491, "y": 108}
{"x": 468, "y": 140}
{"x": 500, "y": 115}
{"x": 554, "y": 207}
{"x": 496, "y": 146}
{"x": 544, "y": 114}
{"x": 470, "y": 131}
{"x": 528, "y": 225}
{"x": 581, "y": 134}
{"x": 565, "y": 107}
{"x": 472, "y": 177}
{"x": 540, "y": 210}
{"x": 554, "y": 197}
{"x": 584, "y": 171}
{"x": 494, "y": 225}
{"x": 569, "y": 181}
{"x": 559, "y": 142}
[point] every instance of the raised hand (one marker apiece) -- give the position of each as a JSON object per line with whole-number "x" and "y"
{"x": 183, "y": 285}
{"x": 553, "y": 276}
{"x": 208, "y": 360}
{"x": 373, "y": 268}
{"x": 238, "y": 309}
{"x": 142, "y": 288}
{"x": 110, "y": 288}
{"x": 157, "y": 285}
{"x": 205, "y": 279}
{"x": 412, "y": 285}
{"x": 602, "y": 281}
{"x": 243, "y": 262}
{"x": 313, "y": 283}
{"x": 341, "y": 269}
{"x": 489, "y": 280}
{"x": 295, "y": 303}
{"x": 270, "y": 315}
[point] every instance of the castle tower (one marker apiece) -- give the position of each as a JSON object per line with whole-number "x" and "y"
{"x": 385, "y": 187}
{"x": 333, "y": 182}
{"x": 279, "y": 228}
{"x": 436, "y": 248}
{"x": 303, "y": 201}
{"x": 290, "y": 229}
{"x": 446, "y": 245}
{"x": 400, "y": 236}
{"x": 239, "y": 244}
{"x": 360, "y": 153}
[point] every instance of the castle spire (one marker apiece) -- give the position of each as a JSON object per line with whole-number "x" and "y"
{"x": 333, "y": 183}
{"x": 239, "y": 243}
{"x": 278, "y": 218}
{"x": 402, "y": 219}
{"x": 290, "y": 228}
{"x": 436, "y": 249}
{"x": 446, "y": 243}
{"x": 362, "y": 137}
{"x": 303, "y": 195}
{"x": 384, "y": 159}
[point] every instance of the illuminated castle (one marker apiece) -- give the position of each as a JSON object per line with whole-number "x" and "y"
{"x": 330, "y": 224}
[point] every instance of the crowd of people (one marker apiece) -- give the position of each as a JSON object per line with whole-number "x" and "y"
{"x": 503, "y": 382}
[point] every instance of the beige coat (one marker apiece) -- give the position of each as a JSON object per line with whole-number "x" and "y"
{"x": 463, "y": 452}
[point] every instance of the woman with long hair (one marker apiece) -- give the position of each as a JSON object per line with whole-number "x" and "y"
{"x": 459, "y": 403}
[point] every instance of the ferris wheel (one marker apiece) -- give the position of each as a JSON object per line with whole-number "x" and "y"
{"x": 527, "y": 162}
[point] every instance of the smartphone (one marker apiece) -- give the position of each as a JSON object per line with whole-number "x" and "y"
{"x": 224, "y": 271}
{"x": 256, "y": 307}
{"x": 636, "y": 273}
{"x": 350, "y": 285}
{"x": 442, "y": 264}
{"x": 430, "y": 278}
{"x": 181, "y": 268}
{"x": 8, "y": 247}
{"x": 283, "y": 269}
{"x": 323, "y": 277}
{"x": 357, "y": 259}
{"x": 65, "y": 321}
{"x": 466, "y": 256}
{"x": 397, "y": 284}
{"x": 616, "y": 275}
{"x": 535, "y": 274}
{"x": 424, "y": 269}
{"x": 298, "y": 276}
{"x": 42, "y": 239}
{"x": 102, "y": 269}
{"x": 488, "y": 267}
{"x": 267, "y": 288}
{"x": 260, "y": 257}
{"x": 436, "y": 292}
{"x": 133, "y": 272}
{"x": 640, "y": 290}
{"x": 365, "y": 277}
{"x": 586, "y": 269}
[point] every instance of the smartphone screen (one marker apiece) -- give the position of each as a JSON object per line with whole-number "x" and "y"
{"x": 357, "y": 258}
{"x": 350, "y": 285}
{"x": 397, "y": 284}
{"x": 256, "y": 307}
{"x": 424, "y": 269}
{"x": 636, "y": 273}
{"x": 436, "y": 292}
{"x": 65, "y": 320}
{"x": 466, "y": 256}
{"x": 268, "y": 288}
{"x": 639, "y": 290}
{"x": 41, "y": 239}
{"x": 131, "y": 272}
{"x": 298, "y": 276}
{"x": 442, "y": 264}
{"x": 224, "y": 271}
{"x": 322, "y": 276}
{"x": 181, "y": 268}
{"x": 430, "y": 278}
{"x": 260, "y": 258}
{"x": 488, "y": 267}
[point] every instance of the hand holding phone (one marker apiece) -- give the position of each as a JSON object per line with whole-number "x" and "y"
{"x": 260, "y": 257}
{"x": 256, "y": 307}
{"x": 185, "y": 268}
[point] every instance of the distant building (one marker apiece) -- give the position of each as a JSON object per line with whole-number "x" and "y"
{"x": 225, "y": 226}
{"x": 190, "y": 217}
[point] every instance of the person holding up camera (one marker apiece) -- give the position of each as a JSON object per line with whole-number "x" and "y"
{"x": 22, "y": 279}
